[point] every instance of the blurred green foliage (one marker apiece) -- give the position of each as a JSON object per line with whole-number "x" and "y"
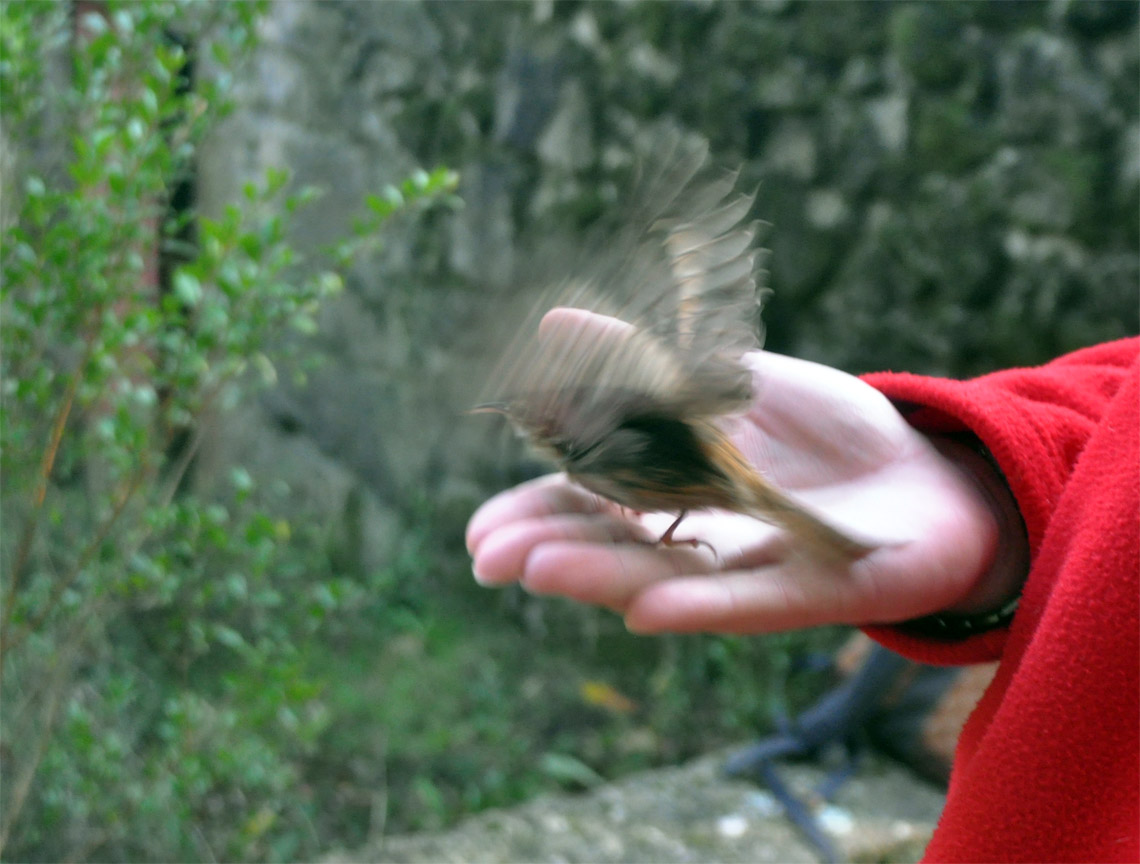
{"x": 156, "y": 702}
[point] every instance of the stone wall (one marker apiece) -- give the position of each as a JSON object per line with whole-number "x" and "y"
{"x": 953, "y": 187}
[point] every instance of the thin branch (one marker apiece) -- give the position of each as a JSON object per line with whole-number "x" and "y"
{"x": 181, "y": 467}
{"x": 13, "y": 640}
{"x": 19, "y": 569}
{"x": 8, "y": 641}
{"x": 23, "y": 785}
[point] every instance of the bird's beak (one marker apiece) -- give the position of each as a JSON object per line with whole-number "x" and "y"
{"x": 489, "y": 408}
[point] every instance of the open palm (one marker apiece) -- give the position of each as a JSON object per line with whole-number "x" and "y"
{"x": 829, "y": 439}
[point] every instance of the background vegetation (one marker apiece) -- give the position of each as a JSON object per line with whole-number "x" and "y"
{"x": 203, "y": 659}
{"x": 156, "y": 701}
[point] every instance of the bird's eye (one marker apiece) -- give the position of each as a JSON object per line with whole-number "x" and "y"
{"x": 581, "y": 452}
{"x": 573, "y": 451}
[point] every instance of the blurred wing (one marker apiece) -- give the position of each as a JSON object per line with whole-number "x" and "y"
{"x": 690, "y": 279}
{"x": 713, "y": 263}
{"x": 682, "y": 271}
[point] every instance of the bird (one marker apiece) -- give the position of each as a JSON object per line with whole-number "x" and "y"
{"x": 634, "y": 411}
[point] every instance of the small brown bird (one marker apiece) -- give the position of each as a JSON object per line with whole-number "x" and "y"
{"x": 631, "y": 412}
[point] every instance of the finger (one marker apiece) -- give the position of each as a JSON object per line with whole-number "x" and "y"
{"x": 534, "y": 499}
{"x": 581, "y": 321}
{"x": 765, "y": 600}
{"x": 501, "y": 556}
{"x": 609, "y": 575}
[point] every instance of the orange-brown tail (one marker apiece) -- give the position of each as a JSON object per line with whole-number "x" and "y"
{"x": 813, "y": 534}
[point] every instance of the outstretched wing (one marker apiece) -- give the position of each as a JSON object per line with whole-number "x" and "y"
{"x": 683, "y": 272}
{"x": 707, "y": 310}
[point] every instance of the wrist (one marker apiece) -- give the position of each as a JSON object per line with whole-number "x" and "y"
{"x": 992, "y": 599}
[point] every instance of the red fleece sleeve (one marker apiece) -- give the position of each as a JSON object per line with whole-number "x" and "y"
{"x": 1036, "y": 423}
{"x": 1048, "y": 765}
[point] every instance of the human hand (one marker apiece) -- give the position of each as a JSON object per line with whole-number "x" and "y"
{"x": 833, "y": 442}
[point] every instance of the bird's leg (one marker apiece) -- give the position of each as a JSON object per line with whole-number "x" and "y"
{"x": 666, "y": 539}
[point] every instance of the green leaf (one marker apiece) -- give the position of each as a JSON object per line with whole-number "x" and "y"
{"x": 145, "y": 396}
{"x": 324, "y": 596}
{"x": 149, "y": 101}
{"x": 330, "y": 283}
{"x": 124, "y": 22}
{"x": 93, "y": 22}
{"x": 275, "y": 180}
{"x": 240, "y": 478}
{"x": 237, "y": 586}
{"x": 265, "y": 368}
{"x": 136, "y": 129}
{"x": 569, "y": 770}
{"x": 393, "y": 196}
{"x": 228, "y": 636}
{"x": 187, "y": 288}
{"x": 303, "y": 324}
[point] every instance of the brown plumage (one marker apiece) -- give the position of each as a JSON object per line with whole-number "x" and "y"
{"x": 630, "y": 412}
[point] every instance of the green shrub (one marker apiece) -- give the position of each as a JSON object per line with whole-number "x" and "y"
{"x": 155, "y": 706}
